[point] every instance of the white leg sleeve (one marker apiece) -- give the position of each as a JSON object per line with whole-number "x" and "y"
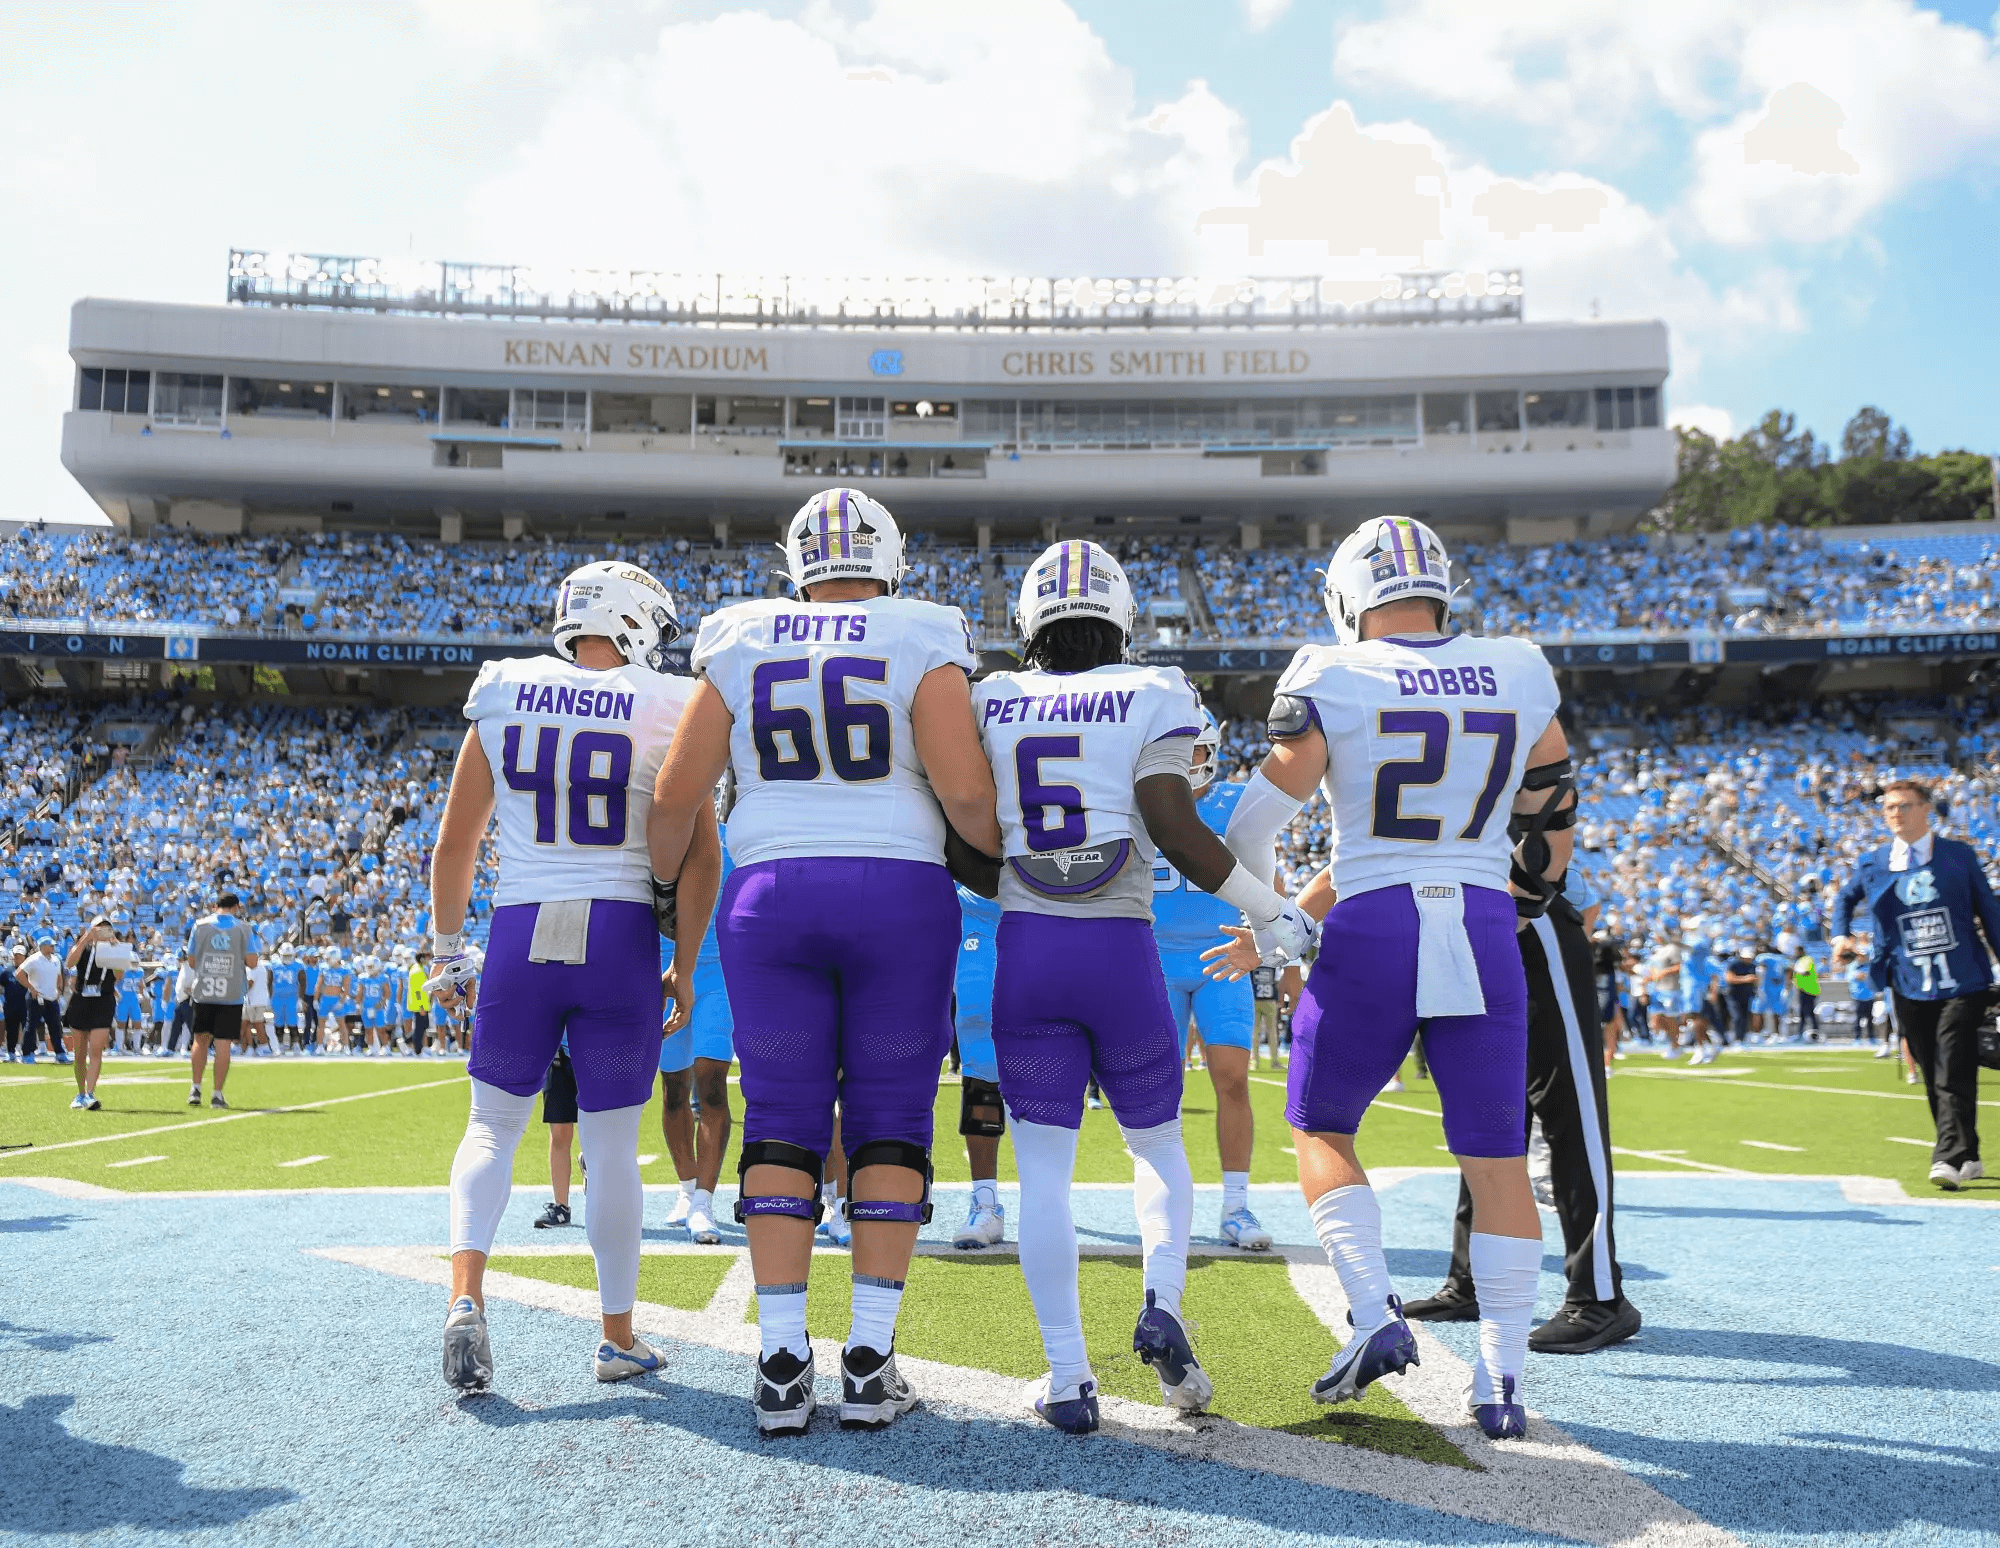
{"x": 613, "y": 1203}
{"x": 1163, "y": 1199}
{"x": 1045, "y": 1156}
{"x": 482, "y": 1173}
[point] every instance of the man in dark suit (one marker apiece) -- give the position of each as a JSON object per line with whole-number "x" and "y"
{"x": 1929, "y": 903}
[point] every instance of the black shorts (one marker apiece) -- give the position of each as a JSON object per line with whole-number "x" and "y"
{"x": 89, "y": 1012}
{"x": 559, "y": 1091}
{"x": 224, "y": 1023}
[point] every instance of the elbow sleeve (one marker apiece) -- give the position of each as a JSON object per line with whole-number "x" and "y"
{"x": 1262, "y": 813}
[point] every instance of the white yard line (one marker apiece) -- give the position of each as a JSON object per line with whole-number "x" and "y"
{"x": 1547, "y": 1483}
{"x": 1770, "y": 1085}
{"x": 137, "y": 1161}
{"x": 1773, "y": 1145}
{"x": 1668, "y": 1156}
{"x": 202, "y": 1123}
{"x": 303, "y": 1161}
{"x": 1897, "y": 1139}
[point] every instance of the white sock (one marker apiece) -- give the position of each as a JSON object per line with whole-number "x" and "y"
{"x": 1349, "y": 1224}
{"x": 829, "y": 1195}
{"x": 1504, "y": 1271}
{"x": 615, "y": 1205}
{"x": 876, "y": 1302}
{"x": 1235, "y": 1192}
{"x": 687, "y": 1188}
{"x": 781, "y": 1319}
{"x": 986, "y": 1190}
{"x": 1163, "y": 1199}
{"x": 482, "y": 1173}
{"x": 1045, "y": 1157}
{"x": 704, "y": 1200}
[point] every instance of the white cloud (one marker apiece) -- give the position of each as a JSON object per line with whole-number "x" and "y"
{"x": 995, "y": 135}
{"x": 1705, "y": 417}
{"x": 1261, "y": 14}
{"x": 1917, "y": 98}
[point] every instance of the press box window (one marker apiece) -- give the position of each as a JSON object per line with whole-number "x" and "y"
{"x": 113, "y": 391}
{"x": 250, "y": 395}
{"x": 537, "y": 408}
{"x": 1628, "y": 408}
{"x": 1499, "y": 412}
{"x": 1558, "y": 410}
{"x": 372, "y": 401}
{"x": 183, "y": 398}
{"x": 1446, "y": 413}
{"x": 476, "y": 406}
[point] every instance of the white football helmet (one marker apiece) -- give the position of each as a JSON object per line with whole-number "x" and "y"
{"x": 1385, "y": 559}
{"x": 1201, "y": 773}
{"x": 1076, "y": 579}
{"x": 843, "y": 534}
{"x": 624, "y": 604}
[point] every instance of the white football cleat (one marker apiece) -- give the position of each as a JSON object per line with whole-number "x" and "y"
{"x": 1970, "y": 1170}
{"x": 615, "y": 1364}
{"x": 701, "y": 1226}
{"x": 985, "y": 1226}
{"x": 678, "y": 1214}
{"x": 468, "y": 1353}
{"x": 1945, "y": 1175}
{"x": 1242, "y": 1229}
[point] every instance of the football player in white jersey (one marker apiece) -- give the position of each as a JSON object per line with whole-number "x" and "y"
{"x": 567, "y": 747}
{"x": 1425, "y": 743}
{"x": 846, "y": 717}
{"x": 1091, "y": 760}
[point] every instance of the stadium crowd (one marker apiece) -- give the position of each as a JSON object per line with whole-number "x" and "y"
{"x": 1760, "y": 580}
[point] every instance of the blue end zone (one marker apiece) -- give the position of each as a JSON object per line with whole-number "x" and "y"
{"x": 1811, "y": 1371}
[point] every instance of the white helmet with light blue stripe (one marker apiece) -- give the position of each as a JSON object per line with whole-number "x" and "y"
{"x": 843, "y": 534}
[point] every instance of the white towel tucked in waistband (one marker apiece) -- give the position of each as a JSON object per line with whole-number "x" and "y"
{"x": 562, "y": 932}
{"x": 1447, "y": 972}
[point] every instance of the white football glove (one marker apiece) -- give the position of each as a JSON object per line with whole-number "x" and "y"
{"x": 1290, "y": 936}
{"x": 453, "y": 965}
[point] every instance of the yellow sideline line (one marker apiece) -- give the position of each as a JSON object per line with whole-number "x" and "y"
{"x": 203, "y": 1123}
{"x": 1771, "y": 1085}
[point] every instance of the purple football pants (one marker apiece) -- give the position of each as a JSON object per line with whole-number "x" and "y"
{"x": 1075, "y": 995}
{"x": 839, "y": 973}
{"x": 609, "y": 1005}
{"x": 1358, "y": 1018}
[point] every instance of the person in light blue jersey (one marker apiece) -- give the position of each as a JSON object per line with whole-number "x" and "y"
{"x": 697, "y": 1060}
{"x": 284, "y": 1001}
{"x": 1186, "y": 923}
{"x": 1774, "y": 982}
{"x": 1861, "y": 990}
{"x": 1699, "y": 970}
{"x": 981, "y": 1114}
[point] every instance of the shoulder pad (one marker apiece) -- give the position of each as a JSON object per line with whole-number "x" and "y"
{"x": 1291, "y": 715}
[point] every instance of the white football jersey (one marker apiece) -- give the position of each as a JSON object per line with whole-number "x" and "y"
{"x": 824, "y": 756}
{"x": 574, "y": 753}
{"x": 1426, "y": 740}
{"x": 1067, "y": 750}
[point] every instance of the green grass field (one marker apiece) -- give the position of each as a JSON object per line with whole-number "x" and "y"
{"x": 340, "y": 1123}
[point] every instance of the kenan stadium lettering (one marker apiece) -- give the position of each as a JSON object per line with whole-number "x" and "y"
{"x": 734, "y": 359}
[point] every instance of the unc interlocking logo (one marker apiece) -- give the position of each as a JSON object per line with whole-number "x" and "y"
{"x": 1917, "y": 888}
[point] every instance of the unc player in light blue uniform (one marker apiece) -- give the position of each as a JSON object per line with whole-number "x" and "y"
{"x": 698, "y": 1057}
{"x": 1774, "y": 978}
{"x": 1699, "y": 970}
{"x": 1186, "y": 923}
{"x": 981, "y": 1114}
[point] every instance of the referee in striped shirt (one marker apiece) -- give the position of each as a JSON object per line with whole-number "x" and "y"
{"x": 1566, "y": 1092}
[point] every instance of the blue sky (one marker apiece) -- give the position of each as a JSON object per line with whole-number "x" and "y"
{"x": 1807, "y": 191}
